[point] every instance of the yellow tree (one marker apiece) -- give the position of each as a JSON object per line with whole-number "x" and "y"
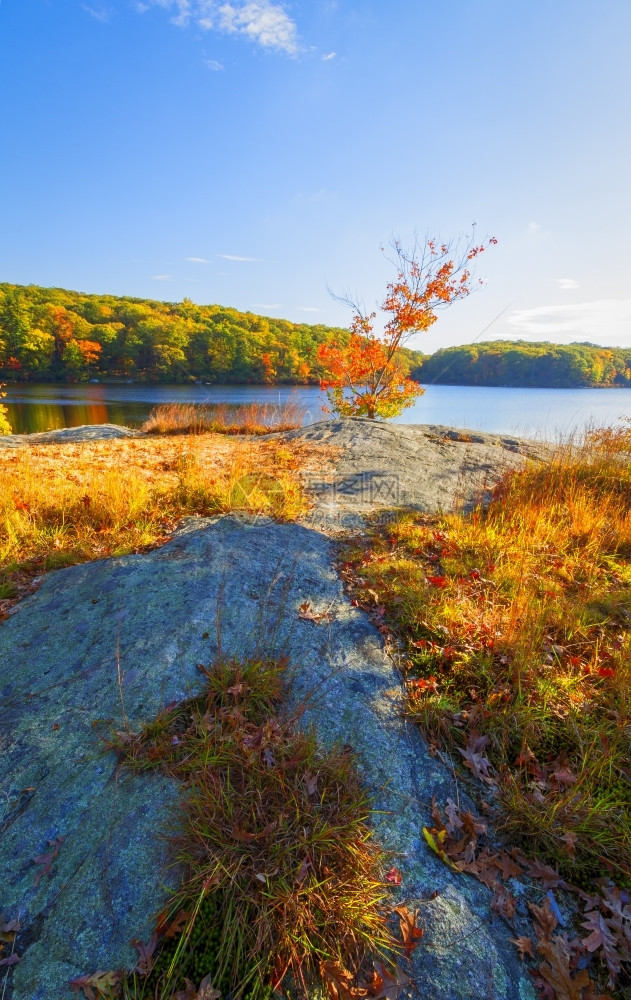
{"x": 368, "y": 377}
{"x": 5, "y": 426}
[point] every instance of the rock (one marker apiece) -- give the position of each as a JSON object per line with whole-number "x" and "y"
{"x": 69, "y": 435}
{"x": 423, "y": 466}
{"x": 147, "y": 614}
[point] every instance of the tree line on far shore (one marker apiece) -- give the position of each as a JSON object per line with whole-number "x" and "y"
{"x": 521, "y": 363}
{"x": 51, "y": 334}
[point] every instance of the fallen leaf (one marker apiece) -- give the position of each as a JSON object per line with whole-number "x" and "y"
{"x": 236, "y": 689}
{"x": 146, "y": 961}
{"x": 504, "y": 902}
{"x": 410, "y": 932}
{"x": 45, "y": 860}
{"x": 394, "y": 876}
{"x": 311, "y": 783}
{"x": 478, "y": 764}
{"x": 545, "y": 920}
{"x": 452, "y": 812}
{"x": 506, "y": 866}
{"x": 338, "y": 982}
{"x": 207, "y": 991}
{"x": 524, "y": 945}
{"x": 9, "y": 930}
{"x": 385, "y": 985}
{"x": 570, "y": 840}
{"x": 601, "y": 936}
{"x": 96, "y": 986}
{"x": 175, "y": 928}
{"x": 307, "y": 613}
{"x": 550, "y": 878}
{"x": 556, "y": 970}
{"x": 304, "y": 868}
{"x": 190, "y": 993}
{"x": 435, "y": 839}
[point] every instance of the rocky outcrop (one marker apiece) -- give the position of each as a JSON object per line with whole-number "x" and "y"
{"x": 68, "y": 435}
{"x": 423, "y": 466}
{"x": 123, "y": 637}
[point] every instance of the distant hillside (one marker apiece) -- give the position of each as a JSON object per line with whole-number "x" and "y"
{"x": 55, "y": 334}
{"x": 521, "y": 363}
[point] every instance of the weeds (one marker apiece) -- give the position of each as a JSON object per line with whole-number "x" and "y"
{"x": 64, "y": 504}
{"x": 225, "y": 418}
{"x": 515, "y": 624}
{"x": 280, "y": 872}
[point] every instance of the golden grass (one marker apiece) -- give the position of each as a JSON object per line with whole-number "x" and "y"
{"x": 225, "y": 418}
{"x": 67, "y": 503}
{"x": 516, "y": 625}
{"x": 280, "y": 870}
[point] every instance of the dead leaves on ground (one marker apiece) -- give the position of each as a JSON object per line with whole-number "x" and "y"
{"x": 206, "y": 991}
{"x": 384, "y": 983}
{"x": 457, "y": 838}
{"x": 96, "y": 986}
{"x": 309, "y": 614}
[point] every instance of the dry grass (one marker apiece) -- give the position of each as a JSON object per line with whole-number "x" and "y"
{"x": 64, "y": 504}
{"x": 225, "y": 418}
{"x": 280, "y": 872}
{"x": 516, "y": 626}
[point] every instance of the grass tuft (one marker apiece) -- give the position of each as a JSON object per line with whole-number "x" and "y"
{"x": 280, "y": 872}
{"x": 225, "y": 418}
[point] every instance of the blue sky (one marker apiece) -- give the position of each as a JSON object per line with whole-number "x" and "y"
{"x": 252, "y": 153}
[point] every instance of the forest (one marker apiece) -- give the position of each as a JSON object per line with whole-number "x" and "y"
{"x": 50, "y": 334}
{"x": 521, "y": 363}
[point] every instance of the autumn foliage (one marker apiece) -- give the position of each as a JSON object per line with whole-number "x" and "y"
{"x": 5, "y": 426}
{"x": 368, "y": 377}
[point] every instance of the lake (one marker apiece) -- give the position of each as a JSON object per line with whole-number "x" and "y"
{"x": 529, "y": 412}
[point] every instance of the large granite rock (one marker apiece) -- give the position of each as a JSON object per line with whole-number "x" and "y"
{"x": 426, "y": 467}
{"x": 124, "y": 636}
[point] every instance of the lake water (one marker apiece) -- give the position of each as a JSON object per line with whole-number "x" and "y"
{"x": 529, "y": 412}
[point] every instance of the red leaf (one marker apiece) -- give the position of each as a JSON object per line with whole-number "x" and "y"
{"x": 394, "y": 876}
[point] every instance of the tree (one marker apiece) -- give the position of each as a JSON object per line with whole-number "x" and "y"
{"x": 370, "y": 377}
{"x": 5, "y": 426}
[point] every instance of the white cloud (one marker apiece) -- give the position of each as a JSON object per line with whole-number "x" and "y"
{"x": 310, "y": 309}
{"x": 533, "y": 227}
{"x": 251, "y": 260}
{"x": 566, "y": 284}
{"x": 605, "y": 321}
{"x": 214, "y": 65}
{"x": 162, "y": 277}
{"x": 329, "y": 56}
{"x": 100, "y": 13}
{"x": 261, "y": 21}
{"x": 198, "y": 260}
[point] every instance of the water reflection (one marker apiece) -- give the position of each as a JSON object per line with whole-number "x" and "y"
{"x": 544, "y": 412}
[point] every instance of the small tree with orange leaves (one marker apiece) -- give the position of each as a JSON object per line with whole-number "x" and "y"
{"x": 368, "y": 378}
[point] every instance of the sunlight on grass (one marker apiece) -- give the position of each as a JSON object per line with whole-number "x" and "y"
{"x": 64, "y": 504}
{"x": 516, "y": 627}
{"x": 225, "y": 418}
